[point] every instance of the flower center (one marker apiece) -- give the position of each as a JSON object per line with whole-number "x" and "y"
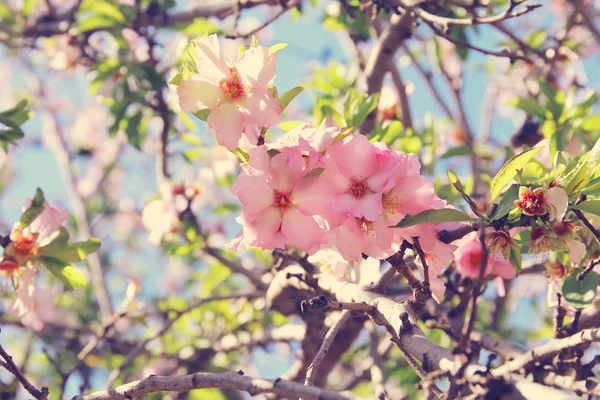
{"x": 8, "y": 266}
{"x": 233, "y": 88}
{"x": 282, "y": 201}
{"x": 358, "y": 188}
{"x": 24, "y": 245}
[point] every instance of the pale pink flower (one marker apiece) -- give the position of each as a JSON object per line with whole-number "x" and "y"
{"x": 160, "y": 218}
{"x": 280, "y": 202}
{"x": 468, "y": 259}
{"x": 318, "y": 139}
{"x": 331, "y": 262}
{"x": 357, "y": 173}
{"x": 236, "y": 93}
{"x": 49, "y": 221}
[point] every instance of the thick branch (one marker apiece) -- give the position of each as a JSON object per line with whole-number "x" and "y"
{"x": 228, "y": 380}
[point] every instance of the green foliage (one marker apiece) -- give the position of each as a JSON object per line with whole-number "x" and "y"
{"x": 69, "y": 275}
{"x": 34, "y": 210}
{"x": 461, "y": 189}
{"x": 509, "y": 171}
{"x": 98, "y": 14}
{"x": 580, "y": 293}
{"x": 13, "y": 119}
{"x": 357, "y": 106}
{"x": 434, "y": 217}
{"x": 288, "y": 96}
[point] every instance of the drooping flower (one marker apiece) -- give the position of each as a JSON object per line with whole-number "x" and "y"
{"x": 236, "y": 93}
{"x": 553, "y": 202}
{"x": 499, "y": 242}
{"x": 26, "y": 243}
{"x": 568, "y": 238}
{"x": 541, "y": 241}
{"x": 468, "y": 258}
{"x": 281, "y": 202}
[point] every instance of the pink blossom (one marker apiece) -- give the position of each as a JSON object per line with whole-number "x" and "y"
{"x": 318, "y": 139}
{"x": 468, "y": 259}
{"x": 236, "y": 93}
{"x": 357, "y": 173}
{"x": 49, "y": 221}
{"x": 280, "y": 202}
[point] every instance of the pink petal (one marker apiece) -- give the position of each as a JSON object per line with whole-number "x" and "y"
{"x": 261, "y": 108}
{"x": 261, "y": 229}
{"x": 24, "y": 302}
{"x": 257, "y": 66}
{"x": 226, "y": 120}
{"x": 286, "y": 170}
{"x": 369, "y": 206}
{"x": 199, "y": 93}
{"x": 349, "y": 240}
{"x": 302, "y": 231}
{"x": 49, "y": 221}
{"x": 210, "y": 60}
{"x": 355, "y": 157}
{"x": 254, "y": 193}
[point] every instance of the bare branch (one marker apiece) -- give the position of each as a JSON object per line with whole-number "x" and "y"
{"x": 227, "y": 380}
{"x": 10, "y": 365}
{"x": 313, "y": 368}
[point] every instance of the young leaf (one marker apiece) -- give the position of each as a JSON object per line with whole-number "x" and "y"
{"x": 67, "y": 274}
{"x": 509, "y": 171}
{"x": 515, "y": 257}
{"x": 590, "y": 206}
{"x": 35, "y": 208}
{"x": 455, "y": 180}
{"x": 277, "y": 47}
{"x": 578, "y": 293}
{"x": 434, "y": 217}
{"x": 507, "y": 202}
{"x": 288, "y": 96}
{"x": 585, "y": 169}
{"x": 202, "y": 115}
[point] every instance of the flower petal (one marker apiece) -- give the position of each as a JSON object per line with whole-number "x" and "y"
{"x": 302, "y": 231}
{"x": 199, "y": 93}
{"x": 558, "y": 200}
{"x": 257, "y": 66}
{"x": 226, "y": 120}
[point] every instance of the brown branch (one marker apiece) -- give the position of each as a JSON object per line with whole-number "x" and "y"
{"x": 227, "y": 380}
{"x": 380, "y": 59}
{"x": 285, "y": 8}
{"x": 313, "y": 368}
{"x": 507, "y": 14}
{"x": 587, "y": 223}
{"x": 548, "y": 349}
{"x": 10, "y": 365}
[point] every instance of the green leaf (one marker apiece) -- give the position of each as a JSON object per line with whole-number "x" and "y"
{"x": 515, "y": 257}
{"x": 434, "y": 217}
{"x": 455, "y": 180}
{"x": 590, "y": 206}
{"x": 34, "y": 210}
{"x": 457, "y": 151}
{"x": 226, "y": 208}
{"x": 191, "y": 139}
{"x": 509, "y": 171}
{"x": 288, "y": 96}
{"x": 530, "y": 106}
{"x": 578, "y": 293}
{"x": 59, "y": 249}
{"x": 287, "y": 126}
{"x": 241, "y": 154}
{"x": 103, "y": 8}
{"x": 134, "y": 133}
{"x": 591, "y": 123}
{"x": 507, "y": 202}
{"x": 67, "y": 274}
{"x": 579, "y": 177}
{"x": 556, "y": 99}
{"x": 202, "y": 115}
{"x": 196, "y": 27}
{"x": 95, "y": 23}
{"x": 277, "y": 47}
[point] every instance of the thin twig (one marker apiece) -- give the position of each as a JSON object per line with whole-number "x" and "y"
{"x": 10, "y": 365}
{"x": 284, "y": 9}
{"x": 313, "y": 368}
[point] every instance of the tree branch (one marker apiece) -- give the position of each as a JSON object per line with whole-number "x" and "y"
{"x": 227, "y": 380}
